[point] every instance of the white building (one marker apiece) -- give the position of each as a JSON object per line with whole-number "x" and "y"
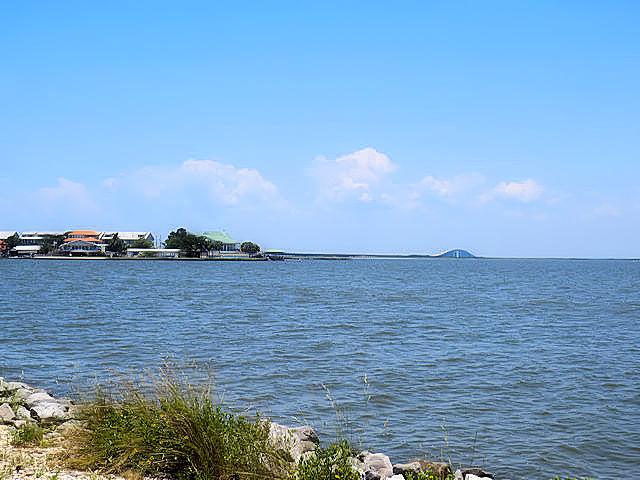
{"x": 154, "y": 252}
{"x": 80, "y": 246}
{"x": 129, "y": 238}
{"x": 36, "y": 238}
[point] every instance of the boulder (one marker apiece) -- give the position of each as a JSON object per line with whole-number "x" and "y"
{"x": 21, "y": 394}
{"x": 22, "y": 413}
{"x": 298, "y": 441}
{"x": 420, "y": 465}
{"x": 11, "y": 386}
{"x": 476, "y": 474}
{"x": 6, "y": 413}
{"x": 458, "y": 475}
{"x": 409, "y": 467}
{"x": 49, "y": 412}
{"x": 373, "y": 466}
{"x": 39, "y": 397}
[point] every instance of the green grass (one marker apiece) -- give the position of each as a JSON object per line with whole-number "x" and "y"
{"x": 27, "y": 435}
{"x": 331, "y": 463}
{"x": 168, "y": 426}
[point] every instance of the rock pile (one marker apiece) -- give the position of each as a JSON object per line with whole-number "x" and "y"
{"x": 301, "y": 442}
{"x": 21, "y": 403}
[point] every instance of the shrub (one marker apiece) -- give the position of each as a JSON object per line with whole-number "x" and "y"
{"x": 428, "y": 475}
{"x": 172, "y": 428}
{"x": 330, "y": 463}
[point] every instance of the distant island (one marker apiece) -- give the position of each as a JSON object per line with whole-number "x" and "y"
{"x": 180, "y": 244}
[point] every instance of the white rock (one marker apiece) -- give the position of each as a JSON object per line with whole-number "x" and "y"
{"x": 299, "y": 441}
{"x": 396, "y": 477}
{"x": 6, "y": 413}
{"x": 39, "y": 397}
{"x": 471, "y": 476}
{"x": 458, "y": 475}
{"x": 22, "y": 413}
{"x": 16, "y": 385}
{"x": 21, "y": 394}
{"x": 49, "y": 411}
{"x": 374, "y": 466}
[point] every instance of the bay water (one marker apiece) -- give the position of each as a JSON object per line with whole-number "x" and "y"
{"x": 530, "y": 368}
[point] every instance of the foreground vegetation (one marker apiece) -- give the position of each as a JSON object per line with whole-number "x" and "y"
{"x": 171, "y": 427}
{"x": 165, "y": 427}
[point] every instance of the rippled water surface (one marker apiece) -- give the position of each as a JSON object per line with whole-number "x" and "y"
{"x": 531, "y": 366}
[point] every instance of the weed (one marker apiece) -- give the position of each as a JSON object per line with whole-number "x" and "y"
{"x": 569, "y": 477}
{"x": 331, "y": 463}
{"x": 27, "y": 434}
{"x": 428, "y": 475}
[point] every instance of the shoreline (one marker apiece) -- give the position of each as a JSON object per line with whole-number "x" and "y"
{"x": 23, "y": 406}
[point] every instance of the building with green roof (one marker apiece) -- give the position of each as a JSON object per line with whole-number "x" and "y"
{"x": 228, "y": 243}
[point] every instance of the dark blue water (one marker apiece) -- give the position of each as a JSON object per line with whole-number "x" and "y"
{"x": 530, "y": 367}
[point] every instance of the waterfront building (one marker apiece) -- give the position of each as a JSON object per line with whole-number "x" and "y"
{"x": 129, "y": 238}
{"x": 82, "y": 246}
{"x": 36, "y": 238}
{"x": 153, "y": 252}
{"x": 25, "y": 250}
{"x": 5, "y": 235}
{"x": 89, "y": 235}
{"x": 228, "y": 243}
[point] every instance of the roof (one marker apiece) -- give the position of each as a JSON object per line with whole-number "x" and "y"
{"x": 85, "y": 239}
{"x": 89, "y": 233}
{"x": 153, "y": 250}
{"x": 127, "y": 235}
{"x": 39, "y": 234}
{"x": 219, "y": 237}
{"x": 5, "y": 235}
{"x": 26, "y": 248}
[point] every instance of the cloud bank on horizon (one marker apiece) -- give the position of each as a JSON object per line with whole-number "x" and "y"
{"x": 361, "y": 183}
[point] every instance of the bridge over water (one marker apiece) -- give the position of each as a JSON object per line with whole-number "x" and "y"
{"x": 455, "y": 253}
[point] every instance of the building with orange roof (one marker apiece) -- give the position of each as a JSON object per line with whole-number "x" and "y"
{"x": 82, "y": 242}
{"x": 82, "y": 234}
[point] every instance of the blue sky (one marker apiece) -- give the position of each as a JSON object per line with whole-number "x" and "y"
{"x": 506, "y": 128}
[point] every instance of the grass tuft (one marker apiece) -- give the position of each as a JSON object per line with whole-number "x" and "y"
{"x": 27, "y": 435}
{"x": 166, "y": 425}
{"x": 331, "y": 463}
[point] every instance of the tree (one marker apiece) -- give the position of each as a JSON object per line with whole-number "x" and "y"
{"x": 176, "y": 239}
{"x": 216, "y": 245}
{"x": 9, "y": 243}
{"x": 50, "y": 243}
{"x": 142, "y": 243}
{"x": 189, "y": 244}
{"x": 250, "y": 248}
{"x": 116, "y": 245}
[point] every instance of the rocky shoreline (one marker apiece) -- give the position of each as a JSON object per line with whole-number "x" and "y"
{"x": 22, "y": 405}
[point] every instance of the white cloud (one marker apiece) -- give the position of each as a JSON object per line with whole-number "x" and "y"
{"x": 201, "y": 180}
{"x": 228, "y": 183}
{"x": 451, "y": 187}
{"x": 525, "y": 191}
{"x": 70, "y": 199}
{"x": 72, "y": 193}
{"x": 355, "y": 174}
{"x": 608, "y": 210}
